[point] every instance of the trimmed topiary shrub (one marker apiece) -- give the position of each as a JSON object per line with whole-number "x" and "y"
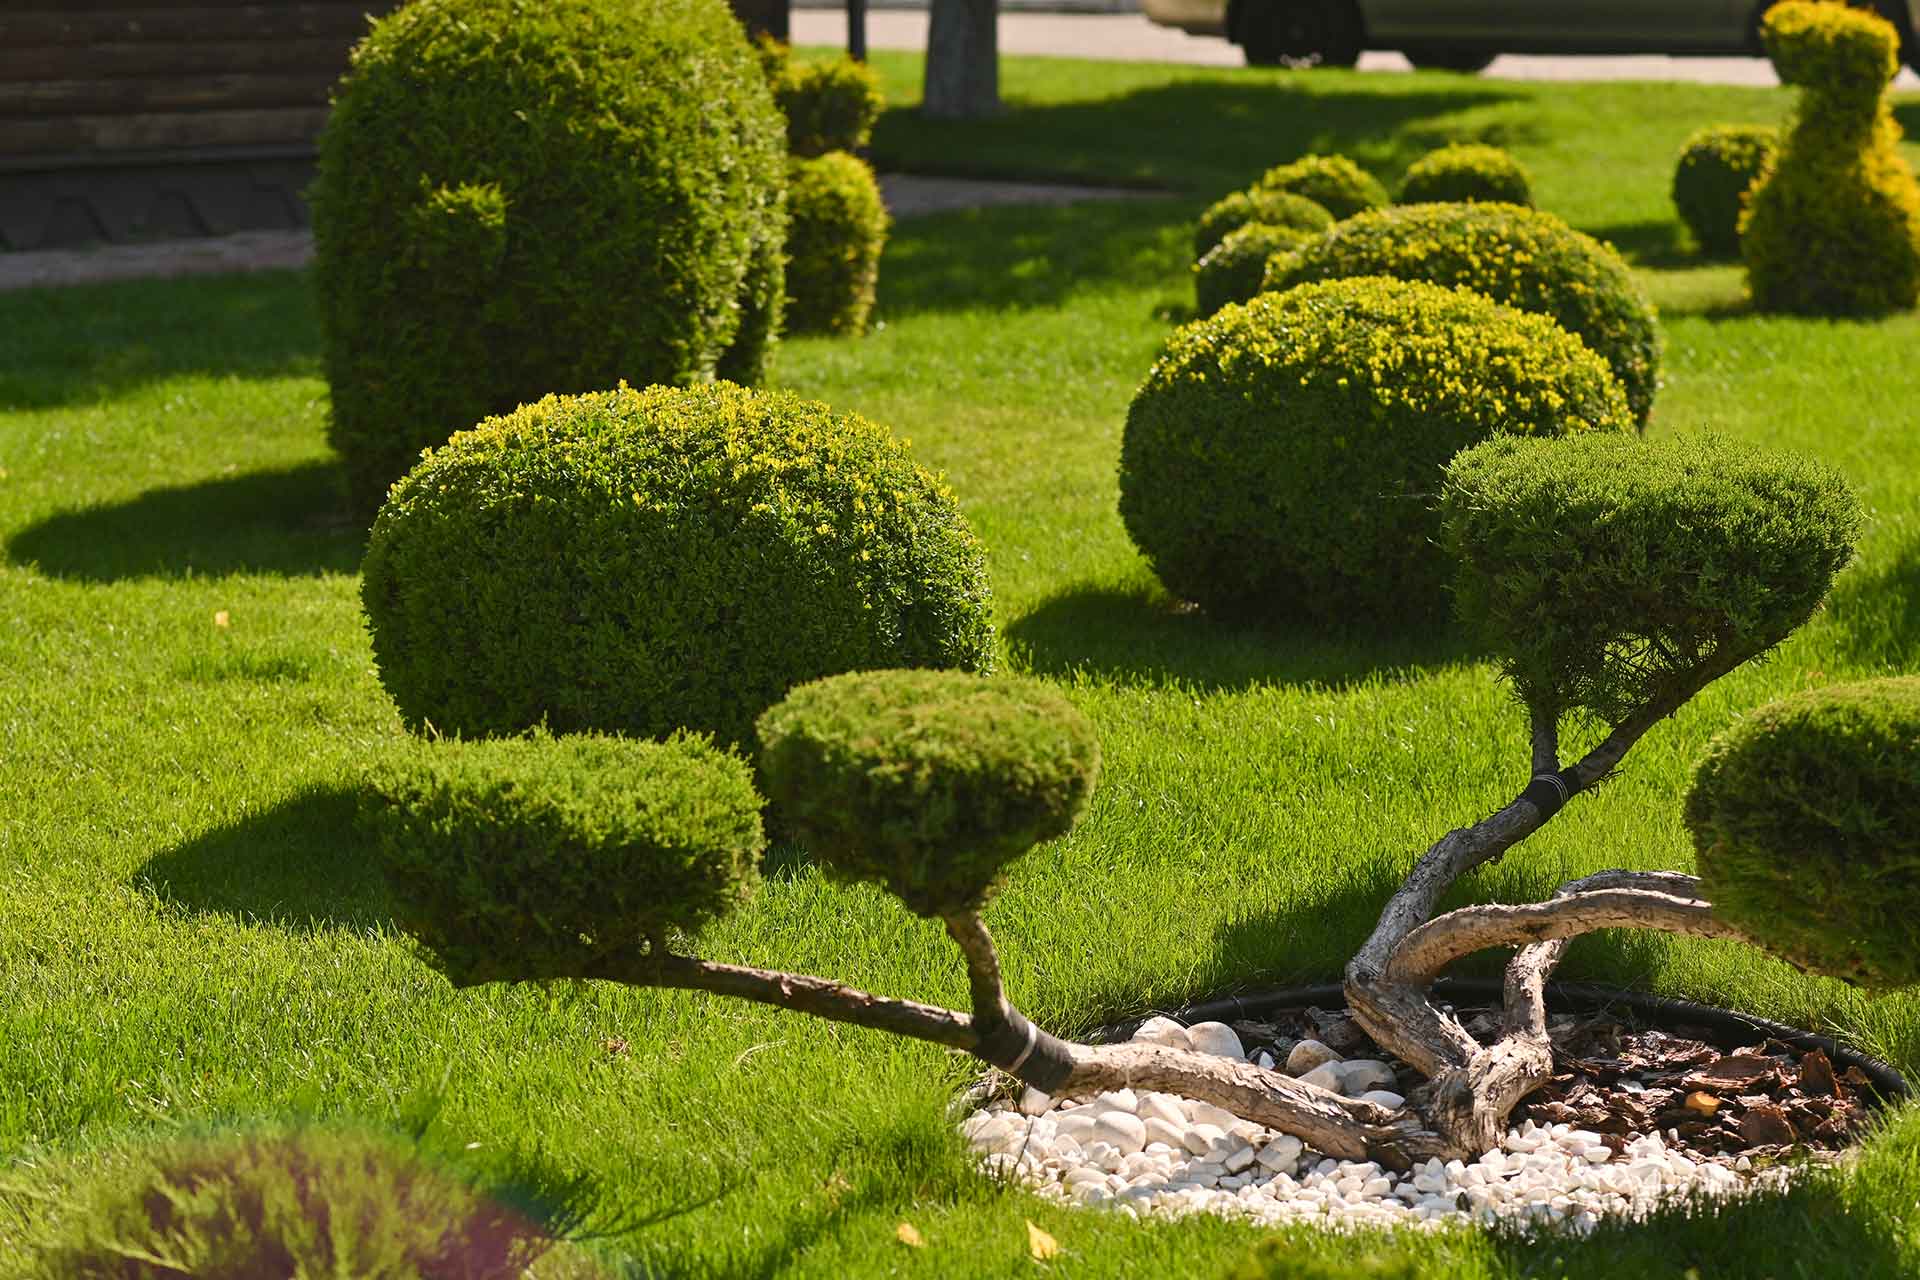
{"x": 838, "y": 226}
{"x": 929, "y": 782}
{"x": 519, "y": 199}
{"x": 1806, "y": 822}
{"x": 1243, "y": 208}
{"x": 559, "y": 856}
{"x": 1465, "y": 172}
{"x": 1717, "y": 167}
{"x": 1520, "y": 257}
{"x": 1232, "y": 271}
{"x": 830, "y": 105}
{"x": 1280, "y": 459}
{"x": 1833, "y": 228}
{"x": 1605, "y": 570}
{"x": 1335, "y": 183}
{"x": 637, "y": 561}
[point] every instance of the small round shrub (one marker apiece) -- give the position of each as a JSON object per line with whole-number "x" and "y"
{"x": 837, "y": 228}
{"x": 637, "y": 561}
{"x": 1806, "y": 822}
{"x": 1467, "y": 171}
{"x": 1233, "y": 270}
{"x": 1717, "y": 167}
{"x": 830, "y": 105}
{"x": 929, "y": 782}
{"x": 299, "y": 1202}
{"x": 1281, "y": 458}
{"x": 1606, "y": 572}
{"x": 1274, "y": 208}
{"x": 1833, "y": 227}
{"x": 515, "y": 199}
{"x": 1335, "y": 183}
{"x": 1520, "y": 257}
{"x": 531, "y": 858}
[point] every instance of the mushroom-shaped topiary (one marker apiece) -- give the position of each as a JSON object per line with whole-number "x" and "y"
{"x": 1335, "y": 183}
{"x": 542, "y": 857}
{"x": 1806, "y": 822}
{"x": 1232, "y": 271}
{"x": 929, "y": 782}
{"x": 1274, "y": 208}
{"x": 1467, "y": 171}
{"x": 1717, "y": 168}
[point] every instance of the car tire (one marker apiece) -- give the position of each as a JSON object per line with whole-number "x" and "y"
{"x": 1298, "y": 33}
{"x": 1465, "y": 61}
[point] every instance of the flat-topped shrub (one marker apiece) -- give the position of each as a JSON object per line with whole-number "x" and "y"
{"x": 1335, "y": 183}
{"x": 1806, "y": 823}
{"x": 638, "y": 561}
{"x": 1281, "y": 458}
{"x": 830, "y": 104}
{"x": 1717, "y": 167}
{"x": 928, "y": 782}
{"x": 518, "y": 199}
{"x": 838, "y": 227}
{"x": 1233, "y": 270}
{"x": 1604, "y": 569}
{"x": 1467, "y": 171}
{"x": 1833, "y": 228}
{"x": 1521, "y": 257}
{"x": 1274, "y": 208}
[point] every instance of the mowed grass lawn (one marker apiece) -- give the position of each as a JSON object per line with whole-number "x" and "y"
{"x": 191, "y": 935}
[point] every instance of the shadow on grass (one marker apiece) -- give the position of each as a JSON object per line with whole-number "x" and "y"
{"x": 1661, "y": 243}
{"x": 1141, "y": 636}
{"x": 1907, "y": 114}
{"x": 91, "y": 342}
{"x": 1875, "y": 609}
{"x": 301, "y": 865}
{"x": 289, "y": 521}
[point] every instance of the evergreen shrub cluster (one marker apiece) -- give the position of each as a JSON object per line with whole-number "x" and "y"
{"x": 1274, "y": 208}
{"x": 1335, "y": 183}
{"x": 1717, "y": 168}
{"x": 1467, "y": 171}
{"x": 516, "y": 199}
{"x": 1235, "y": 269}
{"x": 838, "y": 228}
{"x": 829, "y": 104}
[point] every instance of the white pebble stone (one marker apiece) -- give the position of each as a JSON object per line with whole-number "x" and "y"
{"x": 1239, "y": 1160}
{"x": 1163, "y": 1105}
{"x": 1325, "y": 1076}
{"x": 1122, "y": 1130}
{"x": 1033, "y": 1102}
{"x": 1161, "y": 1132}
{"x": 1307, "y": 1055}
{"x": 1117, "y": 1100}
{"x": 1363, "y": 1075}
{"x": 1207, "y": 1113}
{"x": 1201, "y": 1138}
{"x": 1383, "y": 1097}
{"x": 1164, "y": 1031}
{"x": 1597, "y": 1154}
{"x": 1217, "y": 1038}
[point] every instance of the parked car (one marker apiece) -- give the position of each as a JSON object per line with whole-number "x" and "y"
{"x": 1466, "y": 35}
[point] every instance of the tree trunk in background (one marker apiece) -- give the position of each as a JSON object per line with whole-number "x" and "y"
{"x": 963, "y": 60}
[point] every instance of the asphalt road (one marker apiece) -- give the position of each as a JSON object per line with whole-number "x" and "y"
{"x": 1130, "y": 36}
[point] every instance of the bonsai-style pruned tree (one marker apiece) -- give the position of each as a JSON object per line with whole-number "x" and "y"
{"x": 1616, "y": 578}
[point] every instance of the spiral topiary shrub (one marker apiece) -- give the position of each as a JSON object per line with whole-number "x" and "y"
{"x": 1520, "y": 257}
{"x": 1467, "y": 171}
{"x": 1232, "y": 271}
{"x": 1607, "y": 571}
{"x": 638, "y": 561}
{"x": 1833, "y": 228}
{"x": 1335, "y": 183}
{"x": 830, "y": 105}
{"x": 929, "y": 782}
{"x": 1281, "y": 458}
{"x": 1806, "y": 822}
{"x": 518, "y": 199}
{"x": 837, "y": 228}
{"x": 556, "y": 856}
{"x": 1242, "y": 208}
{"x": 1717, "y": 167}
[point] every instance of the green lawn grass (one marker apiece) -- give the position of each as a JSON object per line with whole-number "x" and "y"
{"x": 191, "y": 935}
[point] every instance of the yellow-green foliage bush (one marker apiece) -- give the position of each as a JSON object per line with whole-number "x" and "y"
{"x": 830, "y": 105}
{"x": 1834, "y": 227}
{"x": 516, "y": 199}
{"x": 1467, "y": 171}
{"x": 837, "y": 226}
{"x": 1280, "y": 460}
{"x": 1335, "y": 183}
{"x": 1717, "y": 167}
{"x": 1274, "y": 208}
{"x": 1232, "y": 270}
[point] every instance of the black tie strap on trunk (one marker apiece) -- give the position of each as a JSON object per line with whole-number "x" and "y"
{"x": 1023, "y": 1050}
{"x": 1549, "y": 791}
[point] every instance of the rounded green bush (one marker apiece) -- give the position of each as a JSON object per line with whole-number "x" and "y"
{"x": 1274, "y": 208}
{"x": 1717, "y": 167}
{"x": 838, "y": 228}
{"x": 1833, "y": 226}
{"x": 517, "y": 859}
{"x": 830, "y": 105}
{"x": 272, "y": 1203}
{"x": 1335, "y": 183}
{"x": 1806, "y": 822}
{"x": 1608, "y": 573}
{"x": 1467, "y": 171}
{"x": 929, "y": 782}
{"x": 1280, "y": 459}
{"x": 517, "y": 199}
{"x": 637, "y": 561}
{"x": 1520, "y": 257}
{"x": 1232, "y": 271}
